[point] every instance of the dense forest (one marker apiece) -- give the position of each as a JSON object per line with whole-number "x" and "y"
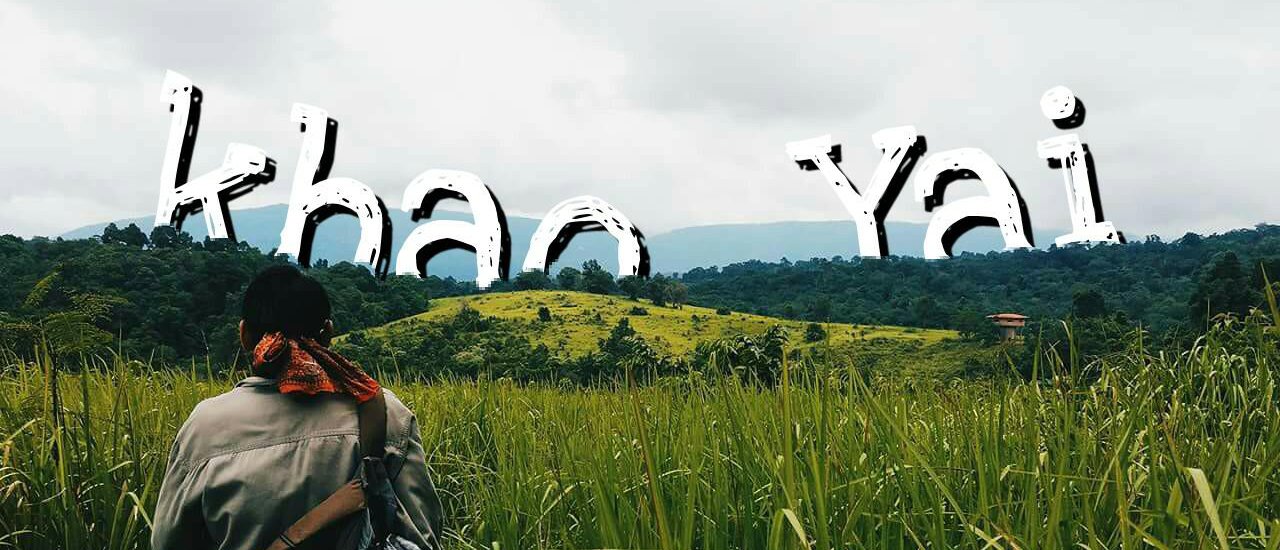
{"x": 162, "y": 295}
{"x": 1162, "y": 285}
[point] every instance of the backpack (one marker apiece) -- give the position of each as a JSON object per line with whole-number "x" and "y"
{"x": 369, "y": 497}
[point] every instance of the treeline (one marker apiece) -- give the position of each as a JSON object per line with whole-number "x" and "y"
{"x": 163, "y": 296}
{"x": 1164, "y": 286}
{"x": 660, "y": 289}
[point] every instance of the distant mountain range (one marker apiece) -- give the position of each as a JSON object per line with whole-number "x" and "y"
{"x": 674, "y": 251}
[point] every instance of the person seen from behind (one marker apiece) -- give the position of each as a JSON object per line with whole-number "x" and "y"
{"x": 279, "y": 457}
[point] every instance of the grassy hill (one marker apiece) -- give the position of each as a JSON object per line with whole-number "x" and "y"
{"x": 580, "y": 320}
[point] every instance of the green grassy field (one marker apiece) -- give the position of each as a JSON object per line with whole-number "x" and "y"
{"x": 1139, "y": 451}
{"x": 672, "y": 331}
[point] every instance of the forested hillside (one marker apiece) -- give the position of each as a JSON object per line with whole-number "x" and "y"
{"x": 163, "y": 294}
{"x": 166, "y": 296}
{"x": 1162, "y": 285}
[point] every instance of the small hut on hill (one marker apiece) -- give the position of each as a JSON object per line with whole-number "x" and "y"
{"x": 1008, "y": 324}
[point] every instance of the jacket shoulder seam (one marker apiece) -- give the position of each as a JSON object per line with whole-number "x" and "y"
{"x": 274, "y": 442}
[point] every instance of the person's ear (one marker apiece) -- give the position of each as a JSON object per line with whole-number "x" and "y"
{"x": 326, "y": 332}
{"x": 246, "y": 340}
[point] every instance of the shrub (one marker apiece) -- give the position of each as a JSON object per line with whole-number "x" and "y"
{"x": 814, "y": 332}
{"x": 723, "y": 311}
{"x": 532, "y": 280}
{"x": 544, "y": 314}
{"x": 637, "y": 310}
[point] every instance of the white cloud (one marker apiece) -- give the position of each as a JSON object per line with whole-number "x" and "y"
{"x": 676, "y": 112}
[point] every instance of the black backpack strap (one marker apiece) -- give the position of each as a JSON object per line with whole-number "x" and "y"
{"x": 372, "y": 416}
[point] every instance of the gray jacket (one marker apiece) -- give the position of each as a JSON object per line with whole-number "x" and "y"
{"x": 250, "y": 462}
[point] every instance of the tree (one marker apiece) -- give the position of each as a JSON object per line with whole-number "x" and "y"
{"x": 532, "y": 280}
{"x": 595, "y": 279}
{"x": 925, "y": 311}
{"x": 165, "y": 236}
{"x": 656, "y": 289}
{"x": 820, "y": 309}
{"x": 677, "y": 293}
{"x": 111, "y": 233}
{"x": 1222, "y": 287}
{"x": 544, "y": 314}
{"x": 1088, "y": 303}
{"x": 632, "y": 286}
{"x": 974, "y": 326}
{"x": 130, "y": 236}
{"x": 569, "y": 279}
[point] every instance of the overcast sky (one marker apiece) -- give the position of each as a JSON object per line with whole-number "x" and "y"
{"x": 677, "y": 112}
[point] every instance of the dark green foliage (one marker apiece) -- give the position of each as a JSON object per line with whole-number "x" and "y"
{"x": 1151, "y": 282}
{"x": 471, "y": 345}
{"x": 1079, "y": 342}
{"x": 813, "y": 332}
{"x": 819, "y": 309}
{"x": 166, "y": 236}
{"x": 663, "y": 290}
{"x": 532, "y": 280}
{"x": 974, "y": 326}
{"x": 753, "y": 358}
{"x": 595, "y": 279}
{"x": 468, "y": 345}
{"x": 1087, "y": 303}
{"x": 569, "y": 279}
{"x": 178, "y": 299}
{"x": 926, "y": 312}
{"x": 637, "y": 310}
{"x": 174, "y": 300}
{"x": 129, "y": 236}
{"x": 544, "y": 314}
{"x": 623, "y": 351}
{"x": 631, "y": 286}
{"x": 656, "y": 289}
{"x": 1222, "y": 287}
{"x": 677, "y": 294}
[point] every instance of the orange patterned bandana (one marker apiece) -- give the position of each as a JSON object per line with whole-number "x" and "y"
{"x": 302, "y": 365}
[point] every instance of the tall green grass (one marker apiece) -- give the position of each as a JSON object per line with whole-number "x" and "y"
{"x": 1141, "y": 450}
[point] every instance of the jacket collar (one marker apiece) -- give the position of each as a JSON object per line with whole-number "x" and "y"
{"x": 256, "y": 382}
